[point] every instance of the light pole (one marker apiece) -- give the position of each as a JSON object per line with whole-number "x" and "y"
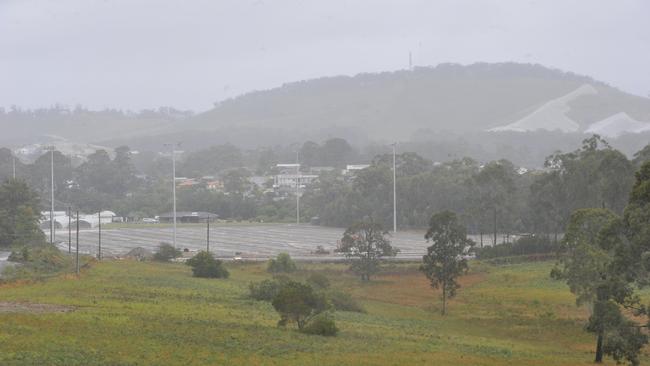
{"x": 14, "y": 165}
{"x": 52, "y": 195}
{"x": 297, "y": 188}
{"x": 207, "y": 247}
{"x": 69, "y": 229}
{"x": 394, "y": 189}
{"x": 77, "y": 250}
{"x": 99, "y": 225}
{"x": 173, "y": 189}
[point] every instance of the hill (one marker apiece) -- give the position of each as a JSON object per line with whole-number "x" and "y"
{"x": 441, "y": 102}
{"x": 61, "y": 124}
{"x": 448, "y": 97}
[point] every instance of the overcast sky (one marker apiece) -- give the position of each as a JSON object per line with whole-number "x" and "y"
{"x": 134, "y": 54}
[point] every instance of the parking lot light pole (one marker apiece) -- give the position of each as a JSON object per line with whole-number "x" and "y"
{"x": 394, "y": 189}
{"x": 173, "y": 146}
{"x": 77, "y": 254}
{"x": 99, "y": 225}
{"x": 297, "y": 188}
{"x": 69, "y": 230}
{"x": 174, "y": 190}
{"x": 52, "y": 195}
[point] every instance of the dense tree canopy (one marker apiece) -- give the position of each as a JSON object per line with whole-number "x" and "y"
{"x": 488, "y": 197}
{"x": 19, "y": 215}
{"x": 595, "y": 267}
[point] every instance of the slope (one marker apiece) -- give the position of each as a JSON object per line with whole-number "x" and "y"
{"x": 448, "y": 97}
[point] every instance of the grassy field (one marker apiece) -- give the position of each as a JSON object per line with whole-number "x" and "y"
{"x": 132, "y": 313}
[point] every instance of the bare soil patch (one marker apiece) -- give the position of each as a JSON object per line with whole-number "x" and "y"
{"x": 24, "y": 307}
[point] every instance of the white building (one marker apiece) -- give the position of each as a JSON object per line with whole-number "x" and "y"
{"x": 289, "y": 180}
{"x": 86, "y": 221}
{"x": 351, "y": 168}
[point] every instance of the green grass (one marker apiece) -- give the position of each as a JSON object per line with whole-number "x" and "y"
{"x": 132, "y": 313}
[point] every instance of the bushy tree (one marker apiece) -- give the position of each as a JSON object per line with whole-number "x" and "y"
{"x": 298, "y": 303}
{"x": 281, "y": 264}
{"x": 494, "y": 190}
{"x": 343, "y": 301}
{"x": 323, "y": 325}
{"x": 591, "y": 266}
{"x": 166, "y": 252}
{"x": 204, "y": 265}
{"x": 366, "y": 243}
{"x": 444, "y": 261}
{"x": 318, "y": 281}
{"x": 265, "y": 290}
{"x": 19, "y": 215}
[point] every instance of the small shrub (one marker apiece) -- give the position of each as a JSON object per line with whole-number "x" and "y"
{"x": 204, "y": 265}
{"x": 342, "y": 301}
{"x": 318, "y": 281}
{"x": 21, "y": 255}
{"x": 42, "y": 258}
{"x": 282, "y": 263}
{"x": 322, "y": 324}
{"x": 265, "y": 290}
{"x": 36, "y": 262}
{"x": 298, "y": 303}
{"x": 281, "y": 278}
{"x": 166, "y": 252}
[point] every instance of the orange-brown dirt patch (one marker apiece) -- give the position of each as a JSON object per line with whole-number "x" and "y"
{"x": 412, "y": 289}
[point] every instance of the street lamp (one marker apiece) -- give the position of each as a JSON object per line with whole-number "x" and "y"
{"x": 394, "y": 145}
{"x": 174, "y": 187}
{"x": 51, "y": 149}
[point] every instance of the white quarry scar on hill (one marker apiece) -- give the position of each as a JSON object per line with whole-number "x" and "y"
{"x": 616, "y": 125}
{"x": 551, "y": 116}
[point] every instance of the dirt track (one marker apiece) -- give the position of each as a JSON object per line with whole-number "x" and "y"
{"x": 22, "y": 307}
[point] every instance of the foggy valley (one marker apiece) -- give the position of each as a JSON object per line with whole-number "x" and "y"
{"x": 331, "y": 183}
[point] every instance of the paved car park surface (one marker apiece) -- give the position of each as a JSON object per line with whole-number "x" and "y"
{"x": 228, "y": 241}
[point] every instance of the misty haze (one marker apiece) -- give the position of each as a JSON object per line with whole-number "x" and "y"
{"x": 338, "y": 182}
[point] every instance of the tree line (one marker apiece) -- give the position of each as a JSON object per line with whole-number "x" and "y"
{"x": 492, "y": 198}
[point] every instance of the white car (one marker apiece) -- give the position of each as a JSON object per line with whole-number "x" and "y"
{"x": 149, "y": 220}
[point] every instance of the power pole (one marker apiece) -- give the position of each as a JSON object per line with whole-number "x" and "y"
{"x": 173, "y": 152}
{"x": 77, "y": 255}
{"x": 99, "y": 217}
{"x": 297, "y": 187}
{"x": 69, "y": 229}
{"x": 394, "y": 189}
{"x": 174, "y": 190}
{"x": 208, "y": 235}
{"x": 52, "y": 195}
{"x": 14, "y": 165}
